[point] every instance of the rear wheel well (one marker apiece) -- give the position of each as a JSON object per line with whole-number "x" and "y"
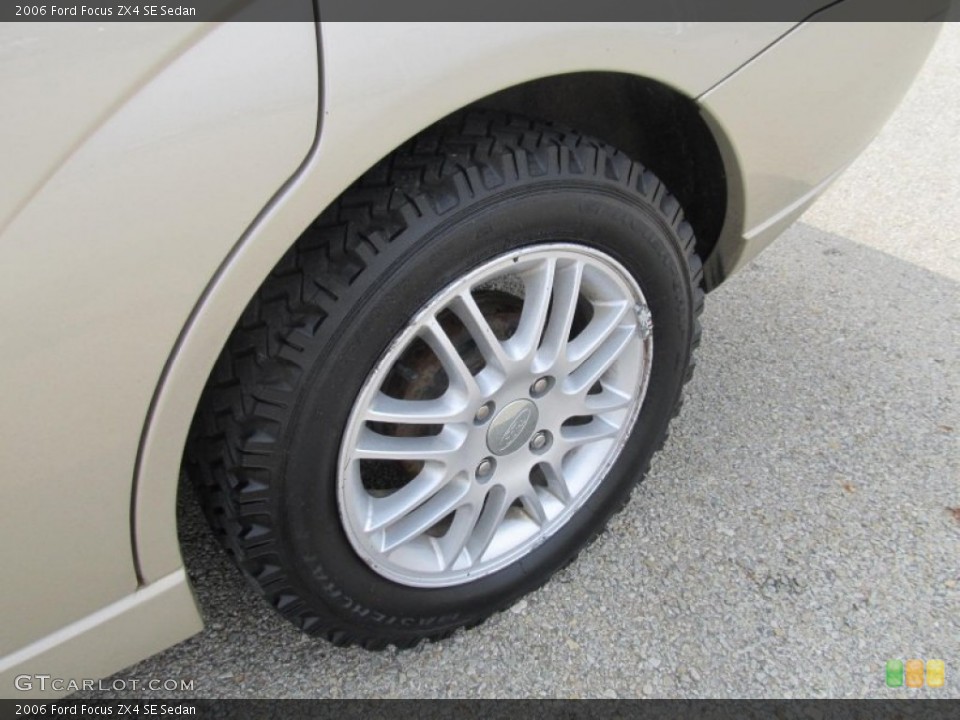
{"x": 651, "y": 122}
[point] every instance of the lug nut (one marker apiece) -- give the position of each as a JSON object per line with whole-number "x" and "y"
{"x": 540, "y": 387}
{"x": 540, "y": 441}
{"x": 485, "y": 468}
{"x": 484, "y": 413}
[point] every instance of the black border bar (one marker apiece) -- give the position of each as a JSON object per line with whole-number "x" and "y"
{"x": 918, "y": 709}
{"x": 101, "y": 11}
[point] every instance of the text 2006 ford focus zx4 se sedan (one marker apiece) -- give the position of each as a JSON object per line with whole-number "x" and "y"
{"x": 410, "y": 305}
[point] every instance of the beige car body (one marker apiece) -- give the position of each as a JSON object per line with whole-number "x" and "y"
{"x": 154, "y": 173}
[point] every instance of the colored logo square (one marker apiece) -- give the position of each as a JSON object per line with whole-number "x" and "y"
{"x": 894, "y": 673}
{"x": 914, "y": 673}
{"x": 935, "y": 673}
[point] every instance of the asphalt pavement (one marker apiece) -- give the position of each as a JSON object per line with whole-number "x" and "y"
{"x": 801, "y": 525}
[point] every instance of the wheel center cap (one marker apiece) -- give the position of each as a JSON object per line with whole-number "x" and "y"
{"x": 512, "y": 427}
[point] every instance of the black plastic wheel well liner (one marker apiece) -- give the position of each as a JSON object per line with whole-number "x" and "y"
{"x": 651, "y": 122}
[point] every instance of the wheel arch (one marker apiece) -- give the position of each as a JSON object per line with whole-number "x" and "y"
{"x": 647, "y": 119}
{"x": 643, "y": 116}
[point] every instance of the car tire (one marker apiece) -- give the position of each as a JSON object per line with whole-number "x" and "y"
{"x": 538, "y": 224}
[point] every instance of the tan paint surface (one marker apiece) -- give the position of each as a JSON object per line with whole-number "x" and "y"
{"x": 101, "y": 267}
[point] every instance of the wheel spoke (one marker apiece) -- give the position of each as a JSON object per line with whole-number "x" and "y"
{"x": 606, "y": 401}
{"x": 387, "y": 510}
{"x": 533, "y": 505}
{"x": 494, "y": 510}
{"x": 457, "y": 371}
{"x": 443, "y": 447}
{"x": 596, "y": 429}
{"x": 566, "y": 293}
{"x": 538, "y": 287}
{"x": 415, "y": 523}
{"x": 594, "y": 367}
{"x": 607, "y": 316}
{"x": 556, "y": 483}
{"x": 466, "y": 308}
{"x": 454, "y": 542}
{"x": 443, "y": 410}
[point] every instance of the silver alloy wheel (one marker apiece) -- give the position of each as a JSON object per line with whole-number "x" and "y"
{"x": 479, "y": 435}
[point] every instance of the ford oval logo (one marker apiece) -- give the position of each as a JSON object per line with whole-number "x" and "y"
{"x": 516, "y": 427}
{"x": 512, "y": 427}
